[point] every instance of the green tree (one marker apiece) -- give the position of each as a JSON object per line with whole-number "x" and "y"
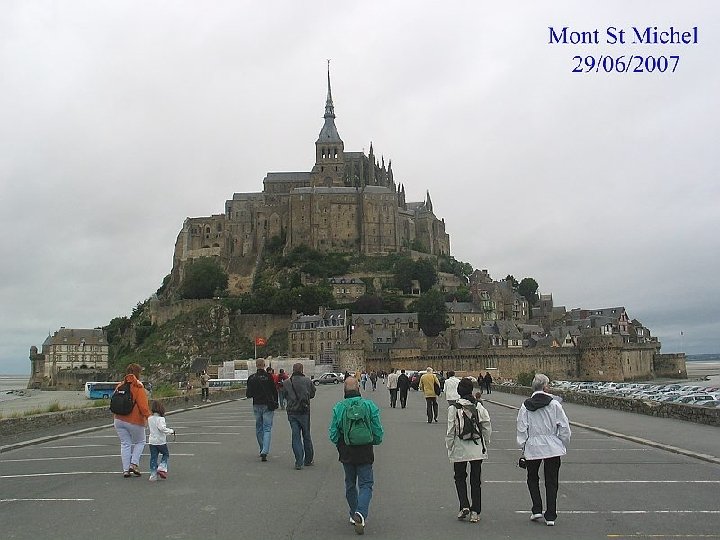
{"x": 462, "y": 294}
{"x": 432, "y": 312}
{"x": 203, "y": 279}
{"x": 404, "y": 274}
{"x": 528, "y": 288}
{"x": 368, "y": 303}
{"x": 426, "y": 274}
{"x": 513, "y": 282}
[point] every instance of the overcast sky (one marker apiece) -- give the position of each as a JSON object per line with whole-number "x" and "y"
{"x": 119, "y": 119}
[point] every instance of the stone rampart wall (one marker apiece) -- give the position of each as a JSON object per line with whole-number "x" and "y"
{"x": 36, "y": 422}
{"x": 670, "y": 365}
{"x": 690, "y": 413}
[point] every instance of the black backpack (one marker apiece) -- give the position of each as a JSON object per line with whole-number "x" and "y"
{"x": 467, "y": 424}
{"x": 121, "y": 401}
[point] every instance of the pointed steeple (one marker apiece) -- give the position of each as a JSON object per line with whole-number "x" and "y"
{"x": 329, "y": 133}
{"x": 329, "y": 107}
{"x": 428, "y": 202}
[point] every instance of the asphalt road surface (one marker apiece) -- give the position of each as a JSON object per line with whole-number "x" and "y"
{"x": 218, "y": 487}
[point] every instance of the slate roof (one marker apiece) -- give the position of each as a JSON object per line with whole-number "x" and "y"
{"x": 287, "y": 177}
{"x": 462, "y": 307}
{"x": 75, "y": 336}
{"x": 379, "y": 317}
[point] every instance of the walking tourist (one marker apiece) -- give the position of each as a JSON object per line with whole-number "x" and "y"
{"x": 299, "y": 390}
{"x": 543, "y": 433}
{"x": 392, "y": 384}
{"x": 261, "y": 388}
{"x": 205, "y": 387}
{"x": 354, "y": 428}
{"x": 373, "y": 379}
{"x": 281, "y": 376}
{"x": 451, "y": 384}
{"x": 429, "y": 390}
{"x": 488, "y": 382}
{"x": 363, "y": 379}
{"x": 466, "y": 439}
{"x": 130, "y": 427}
{"x": 158, "y": 441}
{"x": 403, "y": 387}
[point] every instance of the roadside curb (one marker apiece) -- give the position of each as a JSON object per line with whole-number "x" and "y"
{"x": 50, "y": 438}
{"x": 632, "y": 438}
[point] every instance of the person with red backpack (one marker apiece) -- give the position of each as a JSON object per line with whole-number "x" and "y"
{"x": 279, "y": 379}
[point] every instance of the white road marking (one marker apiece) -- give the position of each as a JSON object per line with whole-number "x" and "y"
{"x": 45, "y": 500}
{"x": 590, "y": 449}
{"x": 77, "y": 457}
{"x": 7, "y": 476}
{"x": 611, "y": 482}
{"x": 630, "y": 511}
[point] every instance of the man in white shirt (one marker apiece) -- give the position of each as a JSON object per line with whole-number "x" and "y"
{"x": 392, "y": 384}
{"x": 543, "y": 432}
{"x": 451, "y": 384}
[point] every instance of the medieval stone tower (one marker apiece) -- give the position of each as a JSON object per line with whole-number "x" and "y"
{"x": 347, "y": 203}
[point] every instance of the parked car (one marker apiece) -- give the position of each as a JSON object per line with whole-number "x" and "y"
{"x": 328, "y": 378}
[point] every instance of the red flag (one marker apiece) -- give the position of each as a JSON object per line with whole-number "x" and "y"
{"x": 261, "y": 341}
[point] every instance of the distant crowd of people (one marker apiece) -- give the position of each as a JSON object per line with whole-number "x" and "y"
{"x": 542, "y": 431}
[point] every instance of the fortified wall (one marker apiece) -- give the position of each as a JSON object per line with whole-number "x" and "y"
{"x": 597, "y": 360}
{"x": 247, "y": 325}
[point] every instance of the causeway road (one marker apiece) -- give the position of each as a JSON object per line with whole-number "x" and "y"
{"x": 610, "y": 487}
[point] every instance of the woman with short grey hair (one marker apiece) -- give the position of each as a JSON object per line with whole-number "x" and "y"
{"x": 543, "y": 432}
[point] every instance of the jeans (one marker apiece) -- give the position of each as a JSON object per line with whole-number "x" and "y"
{"x": 263, "y": 427}
{"x": 132, "y": 442}
{"x": 156, "y": 449}
{"x": 302, "y": 445}
{"x": 393, "y": 397}
{"x": 432, "y": 408}
{"x": 358, "y": 487}
{"x": 282, "y": 400}
{"x": 460, "y": 469}
{"x": 205, "y": 393}
{"x": 551, "y": 470}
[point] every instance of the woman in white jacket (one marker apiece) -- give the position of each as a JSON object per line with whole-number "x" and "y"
{"x": 472, "y": 451}
{"x": 543, "y": 432}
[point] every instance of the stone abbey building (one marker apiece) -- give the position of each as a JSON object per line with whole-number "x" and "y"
{"x": 347, "y": 203}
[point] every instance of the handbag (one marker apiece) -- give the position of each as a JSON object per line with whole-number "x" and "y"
{"x": 438, "y": 390}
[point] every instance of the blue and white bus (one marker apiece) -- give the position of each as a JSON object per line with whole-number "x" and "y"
{"x": 219, "y": 384}
{"x": 100, "y": 390}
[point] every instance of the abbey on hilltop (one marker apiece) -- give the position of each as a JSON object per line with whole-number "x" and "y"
{"x": 347, "y": 203}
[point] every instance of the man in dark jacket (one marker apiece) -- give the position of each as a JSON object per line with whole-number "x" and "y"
{"x": 299, "y": 390}
{"x": 403, "y": 384}
{"x": 357, "y": 459}
{"x": 488, "y": 382}
{"x": 261, "y": 388}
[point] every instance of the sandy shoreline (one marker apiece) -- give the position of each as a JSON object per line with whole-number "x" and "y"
{"x": 29, "y": 400}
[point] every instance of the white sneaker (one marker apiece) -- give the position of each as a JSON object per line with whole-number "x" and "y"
{"x": 474, "y": 517}
{"x": 352, "y": 521}
{"x": 550, "y": 523}
{"x": 462, "y": 514}
{"x": 359, "y": 520}
{"x": 535, "y": 517}
{"x": 153, "y": 478}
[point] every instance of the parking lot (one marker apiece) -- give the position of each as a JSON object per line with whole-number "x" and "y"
{"x": 218, "y": 488}
{"x": 702, "y": 394}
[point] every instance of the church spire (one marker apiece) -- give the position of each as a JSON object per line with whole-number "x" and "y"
{"x": 329, "y": 107}
{"x": 329, "y": 133}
